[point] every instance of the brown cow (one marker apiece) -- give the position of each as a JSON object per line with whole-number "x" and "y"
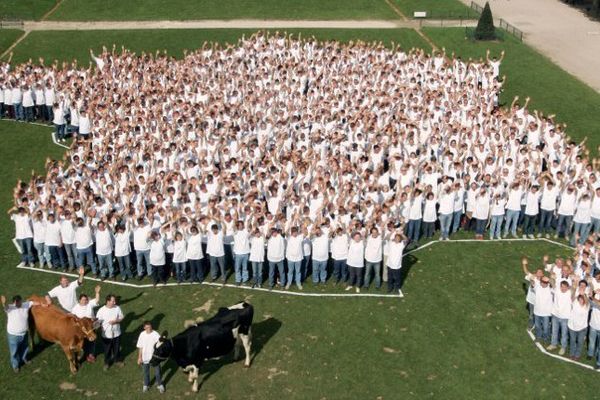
{"x": 56, "y": 326}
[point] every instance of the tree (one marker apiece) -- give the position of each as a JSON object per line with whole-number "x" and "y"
{"x": 485, "y": 27}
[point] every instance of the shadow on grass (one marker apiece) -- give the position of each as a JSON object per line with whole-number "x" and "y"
{"x": 262, "y": 332}
{"x": 407, "y": 263}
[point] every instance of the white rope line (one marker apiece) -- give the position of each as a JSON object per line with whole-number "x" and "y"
{"x": 56, "y": 142}
{"x": 561, "y": 358}
{"x": 215, "y": 284}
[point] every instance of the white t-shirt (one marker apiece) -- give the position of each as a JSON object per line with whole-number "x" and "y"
{"x": 105, "y": 315}
{"x": 543, "y": 300}
{"x": 103, "y": 242}
{"x": 275, "y": 248}
{"x": 53, "y": 234}
{"x": 22, "y": 226}
{"x": 146, "y": 342}
{"x": 320, "y": 248}
{"x": 157, "y": 252}
{"x": 122, "y": 244}
{"x": 356, "y": 254}
{"x": 394, "y": 259}
{"x": 339, "y": 247}
{"x": 67, "y": 296}
{"x": 179, "y": 251}
{"x": 215, "y": 246}
{"x": 257, "y": 249}
{"x": 578, "y": 319}
{"x": 293, "y": 251}
{"x": 241, "y": 242}
{"x": 83, "y": 237}
{"x": 194, "y": 247}
{"x": 86, "y": 311}
{"x": 561, "y": 307}
{"x": 374, "y": 249}
{"x": 17, "y": 323}
{"x": 140, "y": 238}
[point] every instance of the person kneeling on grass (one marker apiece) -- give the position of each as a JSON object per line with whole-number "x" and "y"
{"x": 145, "y": 345}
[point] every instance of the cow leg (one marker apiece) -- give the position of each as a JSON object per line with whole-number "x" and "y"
{"x": 69, "y": 354}
{"x": 192, "y": 376}
{"x": 247, "y": 342}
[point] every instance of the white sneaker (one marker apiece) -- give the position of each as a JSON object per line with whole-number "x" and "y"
{"x": 551, "y": 347}
{"x": 524, "y": 236}
{"x": 555, "y": 236}
{"x": 357, "y": 290}
{"x": 562, "y": 351}
{"x": 348, "y": 288}
{"x": 145, "y": 389}
{"x": 491, "y": 238}
{"x": 539, "y": 235}
{"x": 547, "y": 236}
{"x": 21, "y": 264}
{"x": 161, "y": 389}
{"x": 299, "y": 286}
{"x": 531, "y": 237}
{"x": 400, "y": 294}
{"x": 287, "y": 286}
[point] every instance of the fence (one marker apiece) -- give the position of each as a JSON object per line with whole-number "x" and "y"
{"x": 11, "y": 24}
{"x": 502, "y": 24}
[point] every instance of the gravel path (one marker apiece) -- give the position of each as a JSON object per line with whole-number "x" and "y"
{"x": 560, "y": 32}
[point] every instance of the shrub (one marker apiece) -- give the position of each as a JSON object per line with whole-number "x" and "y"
{"x": 485, "y": 27}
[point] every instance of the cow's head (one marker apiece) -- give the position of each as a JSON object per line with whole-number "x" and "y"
{"x": 162, "y": 349}
{"x": 87, "y": 327}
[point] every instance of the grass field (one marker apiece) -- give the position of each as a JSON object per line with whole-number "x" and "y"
{"x": 25, "y": 9}
{"x": 103, "y": 10}
{"x": 8, "y": 37}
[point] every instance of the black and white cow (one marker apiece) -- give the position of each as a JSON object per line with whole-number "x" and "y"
{"x": 212, "y": 338}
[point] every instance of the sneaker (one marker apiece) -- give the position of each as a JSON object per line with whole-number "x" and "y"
{"x": 531, "y": 237}
{"x": 145, "y": 389}
{"x": 105, "y": 368}
{"x": 555, "y": 236}
{"x": 161, "y": 389}
{"x": 562, "y": 352}
{"x": 31, "y": 265}
{"x": 551, "y": 347}
{"x": 16, "y": 370}
{"x": 357, "y": 290}
{"x": 400, "y": 294}
{"x": 514, "y": 235}
{"x": 539, "y": 235}
{"x": 287, "y": 286}
{"x": 524, "y": 236}
{"x": 299, "y": 286}
{"x": 21, "y": 264}
{"x": 547, "y": 236}
{"x": 348, "y": 288}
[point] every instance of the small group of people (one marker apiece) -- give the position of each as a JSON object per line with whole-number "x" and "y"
{"x": 563, "y": 299}
{"x": 108, "y": 317}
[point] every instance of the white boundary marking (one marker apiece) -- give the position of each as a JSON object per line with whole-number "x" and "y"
{"x": 561, "y": 358}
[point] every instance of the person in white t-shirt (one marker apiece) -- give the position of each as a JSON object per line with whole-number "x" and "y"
{"x": 339, "y": 254}
{"x": 578, "y": 325}
{"x": 66, "y": 292}
{"x": 104, "y": 251}
{"x": 275, "y": 256}
{"x": 561, "y": 309}
{"x": 194, "y": 255}
{"x": 320, "y": 255}
{"x": 146, "y": 343}
{"x": 110, "y": 317}
{"x": 241, "y": 252}
{"x": 141, "y": 245}
{"x": 23, "y": 235}
{"x": 123, "y": 251}
{"x": 215, "y": 248}
{"x": 179, "y": 256}
{"x": 85, "y": 309}
{"x": 532, "y": 208}
{"x": 373, "y": 258}
{"x": 542, "y": 305}
{"x": 355, "y": 261}
{"x": 257, "y": 256}
{"x": 294, "y": 254}
{"x": 394, "y": 262}
{"x": 17, "y": 327}
{"x": 158, "y": 258}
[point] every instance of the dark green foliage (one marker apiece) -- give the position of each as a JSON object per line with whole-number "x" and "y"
{"x": 485, "y": 27}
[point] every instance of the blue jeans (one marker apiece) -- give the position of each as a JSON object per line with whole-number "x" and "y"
{"x": 257, "y": 271}
{"x": 594, "y": 336}
{"x": 576, "y": 339}
{"x": 27, "y": 250}
{"x": 456, "y": 215}
{"x": 240, "y": 265}
{"x": 71, "y": 250}
{"x": 28, "y": 115}
{"x": 280, "y": 269}
{"x": 40, "y": 250}
{"x": 105, "y": 262}
{"x": 376, "y": 268}
{"x": 19, "y": 116}
{"x": 57, "y": 257}
{"x": 294, "y": 271}
{"x": 512, "y": 218}
{"x": 445, "y": 224}
{"x": 564, "y": 225}
{"x": 18, "y": 347}
{"x": 583, "y": 230}
{"x": 529, "y": 224}
{"x": 86, "y": 256}
{"x": 340, "y": 270}
{"x": 319, "y": 272}
{"x": 179, "y": 271}
{"x": 480, "y": 226}
{"x": 542, "y": 327}
{"x": 560, "y": 324}
{"x": 125, "y": 267}
{"x": 596, "y": 225}
{"x": 545, "y": 221}
{"x": 143, "y": 256}
{"x": 496, "y": 226}
{"x": 414, "y": 229}
{"x": 196, "y": 270}
{"x": 60, "y": 131}
{"x": 146, "y": 372}
{"x": 214, "y": 262}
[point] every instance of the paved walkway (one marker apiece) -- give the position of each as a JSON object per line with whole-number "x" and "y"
{"x": 237, "y": 24}
{"x": 560, "y": 32}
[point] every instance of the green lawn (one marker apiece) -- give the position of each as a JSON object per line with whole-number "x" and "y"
{"x": 102, "y": 10}
{"x": 77, "y": 45}
{"x": 8, "y": 37}
{"x": 25, "y": 9}
{"x": 437, "y": 9}
{"x": 529, "y": 73}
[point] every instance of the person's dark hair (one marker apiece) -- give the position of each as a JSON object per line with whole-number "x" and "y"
{"x": 110, "y": 296}
{"x": 83, "y": 295}
{"x": 147, "y": 322}
{"x": 17, "y": 298}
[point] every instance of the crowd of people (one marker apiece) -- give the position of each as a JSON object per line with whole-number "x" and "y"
{"x": 563, "y": 298}
{"x": 302, "y": 156}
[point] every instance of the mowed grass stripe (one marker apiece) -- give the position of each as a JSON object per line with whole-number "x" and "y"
{"x": 109, "y": 10}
